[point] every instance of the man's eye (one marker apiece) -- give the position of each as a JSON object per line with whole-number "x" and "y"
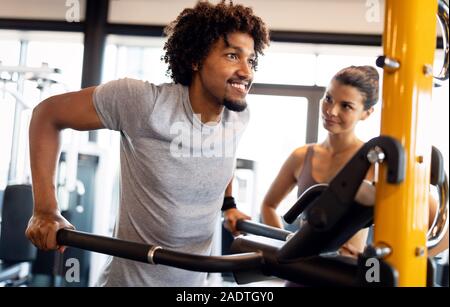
{"x": 232, "y": 56}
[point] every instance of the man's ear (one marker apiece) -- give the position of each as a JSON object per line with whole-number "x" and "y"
{"x": 366, "y": 113}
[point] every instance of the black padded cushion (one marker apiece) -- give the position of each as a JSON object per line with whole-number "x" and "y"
{"x": 16, "y": 211}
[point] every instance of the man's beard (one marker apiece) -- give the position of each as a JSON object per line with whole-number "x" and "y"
{"x": 236, "y": 106}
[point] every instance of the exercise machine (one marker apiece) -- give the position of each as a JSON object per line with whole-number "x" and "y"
{"x": 309, "y": 256}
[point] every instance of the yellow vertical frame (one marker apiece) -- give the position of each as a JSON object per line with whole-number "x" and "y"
{"x": 401, "y": 212}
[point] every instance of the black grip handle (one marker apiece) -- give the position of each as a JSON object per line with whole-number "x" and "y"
{"x": 262, "y": 230}
{"x": 140, "y": 252}
{"x": 105, "y": 245}
{"x": 303, "y": 202}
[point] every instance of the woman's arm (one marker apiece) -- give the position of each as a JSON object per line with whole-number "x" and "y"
{"x": 281, "y": 186}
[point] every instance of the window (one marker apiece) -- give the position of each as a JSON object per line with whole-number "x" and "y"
{"x": 277, "y": 126}
{"x": 286, "y": 68}
{"x": 9, "y": 56}
{"x": 135, "y": 58}
{"x": 32, "y": 49}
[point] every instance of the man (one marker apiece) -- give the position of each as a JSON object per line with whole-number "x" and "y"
{"x": 172, "y": 185}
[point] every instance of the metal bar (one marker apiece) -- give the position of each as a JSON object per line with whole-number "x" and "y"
{"x": 263, "y": 230}
{"x": 157, "y": 30}
{"x": 12, "y": 172}
{"x": 156, "y": 255}
{"x": 94, "y": 41}
{"x": 401, "y": 213}
{"x": 40, "y": 25}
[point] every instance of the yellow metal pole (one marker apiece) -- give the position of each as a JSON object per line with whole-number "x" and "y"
{"x": 401, "y": 212}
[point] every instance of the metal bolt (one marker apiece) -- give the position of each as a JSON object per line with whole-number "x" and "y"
{"x": 420, "y": 159}
{"x": 382, "y": 251}
{"x": 387, "y": 63}
{"x": 427, "y": 70}
{"x": 379, "y": 251}
{"x": 375, "y": 155}
{"x": 420, "y": 251}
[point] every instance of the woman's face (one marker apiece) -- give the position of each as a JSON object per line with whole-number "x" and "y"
{"x": 342, "y": 108}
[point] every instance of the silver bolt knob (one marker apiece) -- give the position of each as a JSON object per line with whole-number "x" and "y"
{"x": 375, "y": 155}
{"x": 387, "y": 63}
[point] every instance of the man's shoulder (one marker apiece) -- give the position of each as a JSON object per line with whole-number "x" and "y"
{"x": 133, "y": 83}
{"x": 163, "y": 92}
{"x": 167, "y": 90}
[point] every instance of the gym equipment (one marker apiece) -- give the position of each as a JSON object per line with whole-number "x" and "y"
{"x": 402, "y": 210}
{"x": 332, "y": 218}
{"x": 250, "y": 227}
{"x": 443, "y": 22}
{"x": 438, "y": 178}
{"x": 435, "y": 233}
{"x": 44, "y": 77}
{"x": 16, "y": 252}
{"x": 307, "y": 257}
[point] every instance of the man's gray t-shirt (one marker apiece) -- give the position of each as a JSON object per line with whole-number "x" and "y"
{"x": 174, "y": 171}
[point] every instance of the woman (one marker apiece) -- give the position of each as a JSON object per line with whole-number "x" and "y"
{"x": 350, "y": 98}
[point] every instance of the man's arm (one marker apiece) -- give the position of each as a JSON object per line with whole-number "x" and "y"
{"x": 72, "y": 110}
{"x": 229, "y": 189}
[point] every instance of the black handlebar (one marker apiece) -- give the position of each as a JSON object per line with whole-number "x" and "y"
{"x": 303, "y": 202}
{"x": 156, "y": 255}
{"x": 262, "y": 230}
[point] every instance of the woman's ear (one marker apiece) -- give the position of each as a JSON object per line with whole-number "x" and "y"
{"x": 366, "y": 113}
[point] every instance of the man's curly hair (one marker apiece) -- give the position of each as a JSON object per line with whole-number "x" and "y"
{"x": 192, "y": 34}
